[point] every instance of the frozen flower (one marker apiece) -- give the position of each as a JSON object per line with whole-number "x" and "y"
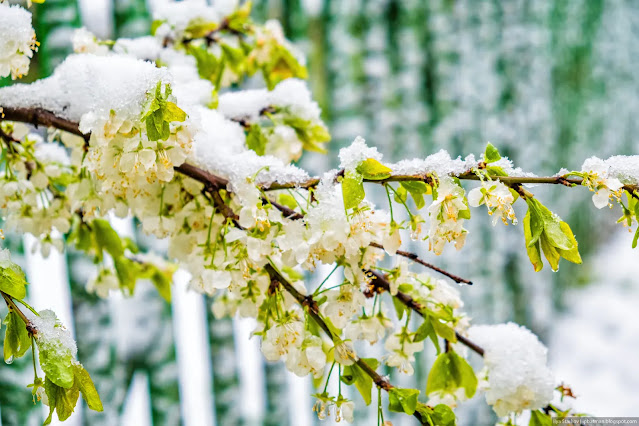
{"x": 446, "y": 225}
{"x": 515, "y": 375}
{"x": 18, "y": 40}
{"x": 85, "y": 42}
{"x": 597, "y": 179}
{"x": 498, "y": 200}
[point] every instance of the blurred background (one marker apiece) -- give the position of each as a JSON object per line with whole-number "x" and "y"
{"x": 549, "y": 83}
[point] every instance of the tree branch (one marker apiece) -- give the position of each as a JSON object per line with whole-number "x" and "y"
{"x": 13, "y": 307}
{"x": 417, "y": 259}
{"x": 313, "y": 311}
{"x": 213, "y": 184}
{"x": 382, "y": 283}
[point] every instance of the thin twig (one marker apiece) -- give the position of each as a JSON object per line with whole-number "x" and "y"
{"x": 417, "y": 259}
{"x": 13, "y": 307}
{"x": 382, "y": 283}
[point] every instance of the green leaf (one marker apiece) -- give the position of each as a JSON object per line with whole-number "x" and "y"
{"x": 287, "y": 200}
{"x": 56, "y": 362}
{"x": 373, "y": 170}
{"x": 61, "y": 400}
{"x": 107, "y": 238}
{"x": 208, "y": 66}
{"x": 425, "y": 330}
{"x": 539, "y": 418}
{"x": 162, "y": 283}
{"x": 128, "y": 271}
{"x": 16, "y": 337}
{"x": 533, "y": 249}
{"x": 571, "y": 255}
{"x": 12, "y": 280}
{"x": 400, "y": 195}
{"x": 491, "y": 154}
{"x": 464, "y": 214}
{"x": 443, "y": 415}
{"x": 496, "y": 171}
{"x": 444, "y": 330}
{"x": 352, "y": 190}
{"x": 256, "y": 140}
{"x": 449, "y": 373}
{"x": 352, "y": 374}
{"x": 86, "y": 386}
{"x": 403, "y": 400}
{"x": 417, "y": 190}
{"x": 172, "y": 113}
{"x": 552, "y": 255}
{"x": 155, "y": 25}
{"x": 636, "y": 238}
{"x": 400, "y": 308}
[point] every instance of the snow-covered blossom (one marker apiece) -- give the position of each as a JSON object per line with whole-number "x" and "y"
{"x": 355, "y": 153}
{"x": 18, "y": 40}
{"x": 498, "y": 200}
{"x": 84, "y": 41}
{"x": 446, "y": 224}
{"x": 597, "y": 178}
{"x": 515, "y": 375}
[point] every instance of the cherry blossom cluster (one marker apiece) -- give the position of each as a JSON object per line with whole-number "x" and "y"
{"x": 18, "y": 41}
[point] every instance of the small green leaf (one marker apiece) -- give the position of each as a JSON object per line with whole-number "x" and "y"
{"x": 425, "y": 330}
{"x": 491, "y": 154}
{"x": 400, "y": 308}
{"x": 373, "y": 170}
{"x": 208, "y": 66}
{"x": 571, "y": 255}
{"x": 400, "y": 195}
{"x": 352, "y": 190}
{"x": 12, "y": 280}
{"x": 352, "y": 374}
{"x": 155, "y": 25}
{"x": 417, "y": 190}
{"x": 443, "y": 415}
{"x": 287, "y": 200}
{"x": 172, "y": 113}
{"x": 533, "y": 249}
{"x": 256, "y": 140}
{"x": 449, "y": 373}
{"x": 107, "y": 238}
{"x": 56, "y": 362}
{"x": 86, "y": 386}
{"x": 61, "y": 400}
{"x": 539, "y": 418}
{"x": 444, "y": 330}
{"x": 16, "y": 337}
{"x": 551, "y": 254}
{"x": 635, "y": 239}
{"x": 162, "y": 283}
{"x": 403, "y": 400}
